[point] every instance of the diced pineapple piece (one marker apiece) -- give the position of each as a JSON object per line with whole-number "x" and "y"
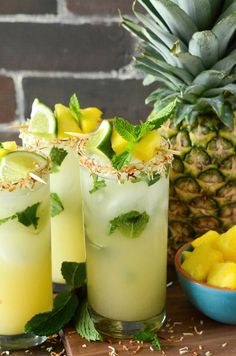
{"x": 223, "y": 275}
{"x": 3, "y": 152}
{"x": 118, "y": 143}
{"x": 10, "y": 145}
{"x": 147, "y": 147}
{"x": 199, "y": 263}
{"x": 186, "y": 254}
{"x": 209, "y": 237}
{"x": 90, "y": 118}
{"x": 65, "y": 121}
{"x": 226, "y": 243}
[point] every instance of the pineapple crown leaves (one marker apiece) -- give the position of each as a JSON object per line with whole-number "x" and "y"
{"x": 186, "y": 46}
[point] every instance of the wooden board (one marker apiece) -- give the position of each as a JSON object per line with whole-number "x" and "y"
{"x": 185, "y": 329}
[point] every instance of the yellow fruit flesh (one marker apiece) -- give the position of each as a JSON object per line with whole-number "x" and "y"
{"x": 118, "y": 143}
{"x": 90, "y": 118}
{"x": 3, "y": 152}
{"x": 201, "y": 261}
{"x": 209, "y": 237}
{"x": 10, "y": 145}
{"x": 65, "y": 121}
{"x": 227, "y": 244}
{"x": 223, "y": 275}
{"x": 147, "y": 147}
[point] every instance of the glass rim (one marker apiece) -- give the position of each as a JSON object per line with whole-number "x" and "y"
{"x": 36, "y": 176}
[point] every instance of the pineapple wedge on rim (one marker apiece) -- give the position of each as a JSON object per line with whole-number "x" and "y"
{"x": 187, "y": 46}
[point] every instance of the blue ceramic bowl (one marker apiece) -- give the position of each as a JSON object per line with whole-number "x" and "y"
{"x": 217, "y": 303}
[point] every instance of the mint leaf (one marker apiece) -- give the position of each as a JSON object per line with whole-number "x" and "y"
{"x": 4, "y": 220}
{"x": 149, "y": 337}
{"x": 161, "y": 116}
{"x": 97, "y": 184}
{"x": 130, "y": 224}
{"x": 142, "y": 129}
{"x": 74, "y": 273}
{"x": 118, "y": 161}
{"x": 56, "y": 205}
{"x": 57, "y": 156}
{"x": 85, "y": 326}
{"x": 75, "y": 108}
{"x": 1, "y": 145}
{"x": 46, "y": 324}
{"x": 150, "y": 180}
{"x": 125, "y": 129}
{"x": 28, "y": 216}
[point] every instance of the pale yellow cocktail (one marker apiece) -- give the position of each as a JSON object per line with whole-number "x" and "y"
{"x": 25, "y": 253}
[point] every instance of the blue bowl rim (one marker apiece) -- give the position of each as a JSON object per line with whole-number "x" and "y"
{"x": 189, "y": 277}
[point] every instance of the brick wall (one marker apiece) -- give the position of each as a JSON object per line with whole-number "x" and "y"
{"x": 52, "y": 48}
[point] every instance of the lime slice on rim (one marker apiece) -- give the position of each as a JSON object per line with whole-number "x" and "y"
{"x": 100, "y": 141}
{"x": 43, "y": 121}
{"x": 18, "y": 164}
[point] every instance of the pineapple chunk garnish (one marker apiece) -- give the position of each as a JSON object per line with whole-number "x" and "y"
{"x": 223, "y": 275}
{"x": 90, "y": 118}
{"x": 118, "y": 143}
{"x": 209, "y": 237}
{"x": 65, "y": 121}
{"x": 147, "y": 147}
{"x": 226, "y": 243}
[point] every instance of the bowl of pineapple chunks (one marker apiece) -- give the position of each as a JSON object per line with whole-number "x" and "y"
{"x": 206, "y": 269}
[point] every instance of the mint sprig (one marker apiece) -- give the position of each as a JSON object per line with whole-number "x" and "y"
{"x": 56, "y": 205}
{"x": 75, "y": 108}
{"x": 149, "y": 337}
{"x": 144, "y": 177}
{"x": 97, "y": 183}
{"x": 132, "y": 134}
{"x": 130, "y": 224}
{"x": 26, "y": 217}
{"x": 1, "y": 145}
{"x": 67, "y": 305}
{"x": 57, "y": 156}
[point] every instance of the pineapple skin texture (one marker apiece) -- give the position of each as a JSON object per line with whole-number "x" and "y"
{"x": 202, "y": 180}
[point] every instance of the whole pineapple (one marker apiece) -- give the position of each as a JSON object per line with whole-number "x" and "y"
{"x": 187, "y": 45}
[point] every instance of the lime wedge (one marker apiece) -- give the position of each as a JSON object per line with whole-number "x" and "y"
{"x": 18, "y": 164}
{"x": 100, "y": 141}
{"x": 43, "y": 121}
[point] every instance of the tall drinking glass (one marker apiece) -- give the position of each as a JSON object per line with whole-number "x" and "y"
{"x": 126, "y": 246}
{"x": 66, "y": 212}
{"x": 25, "y": 258}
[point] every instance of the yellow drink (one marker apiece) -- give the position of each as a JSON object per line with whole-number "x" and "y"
{"x": 67, "y": 227}
{"x": 25, "y": 262}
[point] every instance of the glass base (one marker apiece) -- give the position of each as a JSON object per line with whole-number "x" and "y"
{"x": 126, "y": 329}
{"x": 20, "y": 341}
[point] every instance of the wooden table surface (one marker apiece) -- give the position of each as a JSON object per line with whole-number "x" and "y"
{"x": 186, "y": 332}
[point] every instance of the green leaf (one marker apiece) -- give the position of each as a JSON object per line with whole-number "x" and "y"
{"x": 224, "y": 31}
{"x": 199, "y": 11}
{"x": 75, "y": 108}
{"x": 1, "y": 145}
{"x": 74, "y": 274}
{"x": 146, "y": 336}
{"x": 56, "y": 205}
{"x": 97, "y": 184}
{"x": 118, "y": 161}
{"x": 145, "y": 178}
{"x": 205, "y": 45}
{"x": 46, "y": 324}
{"x": 130, "y": 224}
{"x": 4, "y": 220}
{"x": 85, "y": 326}
{"x": 28, "y": 216}
{"x": 210, "y": 78}
{"x": 57, "y": 156}
{"x": 158, "y": 118}
{"x": 125, "y": 129}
